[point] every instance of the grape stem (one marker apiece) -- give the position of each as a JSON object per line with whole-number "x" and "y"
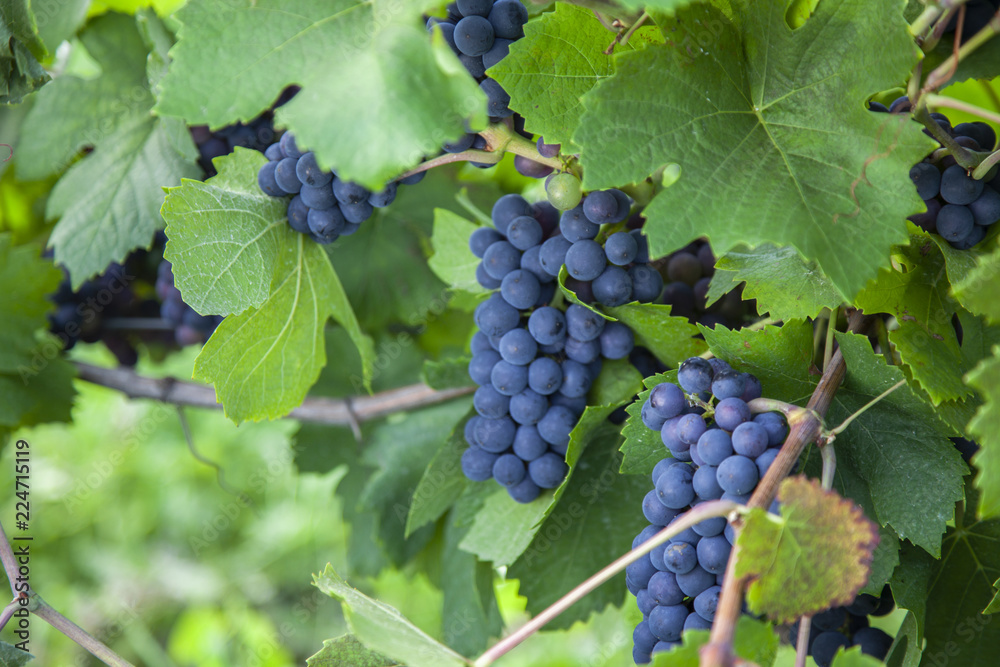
{"x": 945, "y": 70}
{"x": 39, "y": 607}
{"x": 449, "y": 158}
{"x": 315, "y": 409}
{"x": 623, "y": 37}
{"x": 942, "y": 101}
{"x": 718, "y": 652}
{"x": 707, "y": 510}
{"x": 829, "y": 465}
{"x": 502, "y": 138}
{"x": 980, "y": 172}
{"x": 962, "y": 155}
{"x": 802, "y": 642}
{"x": 831, "y": 328}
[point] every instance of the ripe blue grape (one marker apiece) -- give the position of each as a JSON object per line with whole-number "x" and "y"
{"x": 509, "y": 379}
{"x": 765, "y": 460}
{"x": 384, "y": 197}
{"x": 927, "y": 178}
{"x": 544, "y": 376}
{"x": 695, "y": 375}
{"x": 674, "y": 487}
{"x": 583, "y": 324}
{"x": 520, "y": 289}
{"x": 490, "y": 403}
{"x": 667, "y": 622}
{"x": 285, "y": 177}
{"x": 508, "y": 470}
{"x": 575, "y": 226}
{"x": 485, "y": 279}
{"x": 548, "y": 326}
{"x": 266, "y": 181}
{"x": 556, "y": 426}
{"x": 985, "y": 209}
{"x": 694, "y": 621}
{"x": 705, "y": 484}
{"x": 647, "y": 283}
{"x": 298, "y": 215}
{"x": 731, "y": 412}
{"x": 506, "y": 209}
{"x": 553, "y": 254}
{"x": 525, "y": 491}
{"x": 347, "y": 192}
{"x": 613, "y": 287}
{"x": 508, "y": 18}
{"x": 643, "y": 638}
{"x": 617, "y": 340}
{"x": 582, "y": 352}
{"x": 663, "y": 589}
{"x": 528, "y": 406}
{"x": 477, "y": 464}
{"x": 548, "y": 471}
{"x": 667, "y": 400}
{"x": 531, "y": 262}
{"x": 326, "y": 224}
{"x": 497, "y": 52}
{"x": 774, "y": 424}
{"x": 600, "y": 207}
{"x": 680, "y": 557}
{"x": 317, "y": 197}
{"x": 495, "y": 317}
{"x": 501, "y": 258}
{"x": 474, "y": 35}
{"x": 576, "y": 379}
{"x": 873, "y": 641}
{"x": 524, "y": 232}
{"x": 738, "y": 474}
{"x": 826, "y": 645}
{"x": 954, "y": 222}
{"x": 585, "y": 260}
{"x": 694, "y": 582}
{"x": 497, "y": 99}
{"x": 481, "y": 239}
{"x": 656, "y": 512}
{"x": 660, "y": 466}
{"x": 753, "y": 388}
{"x": 707, "y": 601}
{"x": 690, "y": 428}
{"x": 621, "y": 248}
{"x": 528, "y": 445}
{"x": 495, "y": 435}
{"x": 288, "y": 146}
{"x": 713, "y": 553}
{"x": 518, "y": 347}
{"x": 959, "y": 188}
{"x": 728, "y": 384}
{"x": 749, "y": 439}
{"x": 645, "y": 601}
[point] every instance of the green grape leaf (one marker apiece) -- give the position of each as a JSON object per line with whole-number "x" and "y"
{"x": 36, "y": 384}
{"x": 619, "y": 381}
{"x": 957, "y": 263}
{"x": 770, "y": 131}
{"x": 452, "y": 260}
{"x": 447, "y": 373}
{"x": 383, "y": 629}
{"x": 814, "y": 556}
{"x": 504, "y": 529}
{"x": 594, "y": 523}
{"x": 905, "y": 650}
{"x": 347, "y": 650}
{"x": 670, "y": 339}
{"x": 560, "y": 57}
{"x": 926, "y": 340}
{"x": 11, "y": 656}
{"x": 401, "y": 95}
{"x": 898, "y": 447}
{"x": 994, "y": 605}
{"x": 643, "y": 448}
{"x": 978, "y": 64}
{"x": 910, "y": 582}
{"x": 442, "y": 482}
{"x": 780, "y": 357}
{"x": 108, "y": 203}
{"x": 20, "y": 49}
{"x": 985, "y": 426}
{"x": 755, "y": 641}
{"x": 785, "y": 286}
{"x": 960, "y": 588}
{"x": 975, "y": 291}
{"x": 398, "y": 451}
{"x": 225, "y": 236}
{"x": 264, "y": 360}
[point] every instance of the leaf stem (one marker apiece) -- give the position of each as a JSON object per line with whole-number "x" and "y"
{"x": 831, "y": 328}
{"x": 96, "y": 647}
{"x": 980, "y": 172}
{"x": 942, "y": 101}
{"x": 707, "y": 510}
{"x": 448, "y": 158}
{"x": 718, "y": 651}
{"x": 847, "y": 422}
{"x": 622, "y": 38}
{"x": 926, "y": 19}
{"x": 829, "y": 465}
{"x": 8, "y": 612}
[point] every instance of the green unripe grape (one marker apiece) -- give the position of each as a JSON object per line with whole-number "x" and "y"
{"x": 564, "y": 191}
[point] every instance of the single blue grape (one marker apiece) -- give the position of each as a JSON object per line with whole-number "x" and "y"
{"x": 548, "y": 471}
{"x": 490, "y": 403}
{"x": 500, "y": 259}
{"x": 873, "y": 641}
{"x": 266, "y": 181}
{"x": 613, "y": 287}
{"x": 927, "y": 178}
{"x": 826, "y": 645}
{"x": 750, "y": 439}
{"x": 680, "y": 557}
{"x": 520, "y": 289}
{"x": 958, "y": 188}
{"x": 674, "y": 487}
{"x": 656, "y": 512}
{"x": 485, "y": 279}
{"x": 497, "y": 52}
{"x": 647, "y": 283}
{"x": 548, "y": 325}
{"x": 524, "y": 491}
{"x": 642, "y": 638}
{"x": 696, "y": 622}
{"x": 347, "y": 192}
{"x": 583, "y": 323}
{"x": 497, "y": 99}
{"x": 309, "y": 172}
{"x": 481, "y": 239}
{"x": 298, "y": 215}
{"x": 470, "y": 430}
{"x": 383, "y": 197}
{"x": 774, "y": 424}
{"x": 508, "y": 470}
{"x": 730, "y": 413}
{"x": 753, "y": 388}
{"x": 582, "y": 352}
{"x": 556, "y": 426}
{"x": 650, "y": 419}
{"x": 480, "y": 343}
{"x": 667, "y": 400}
{"x": 667, "y": 622}
{"x": 285, "y": 177}
{"x": 600, "y": 207}
{"x": 707, "y": 601}
{"x": 705, "y": 484}
{"x": 289, "y": 148}
{"x": 644, "y": 601}
{"x": 575, "y": 405}
{"x": 765, "y": 460}
{"x": 495, "y": 317}
{"x": 663, "y": 589}
{"x": 574, "y": 226}
{"x": 477, "y": 464}
{"x": 585, "y": 260}
{"x": 715, "y": 446}
{"x": 508, "y": 18}
{"x": 495, "y": 435}
{"x": 576, "y": 379}
{"x": 531, "y": 262}
{"x": 518, "y": 347}
{"x": 728, "y": 384}
{"x": 646, "y": 534}
{"x": 474, "y": 35}
{"x": 326, "y": 224}
{"x": 553, "y": 254}
{"x": 738, "y": 474}
{"x": 506, "y": 209}
{"x": 669, "y": 437}
{"x": 357, "y": 213}
{"x": 690, "y": 428}
{"x": 317, "y": 197}
{"x": 524, "y": 232}
{"x": 528, "y": 445}
{"x": 661, "y": 466}
{"x": 621, "y": 249}
{"x": 696, "y": 581}
{"x": 955, "y": 223}
{"x": 509, "y": 379}
{"x": 617, "y": 340}
{"x": 695, "y": 375}
{"x": 273, "y": 152}
{"x": 713, "y": 553}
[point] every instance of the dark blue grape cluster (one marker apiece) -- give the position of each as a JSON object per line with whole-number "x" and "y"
{"x": 959, "y": 208}
{"x": 534, "y": 362}
{"x": 322, "y": 205}
{"x": 849, "y": 626}
{"x": 677, "y": 585}
{"x": 190, "y": 328}
{"x": 480, "y": 33}
{"x": 689, "y": 271}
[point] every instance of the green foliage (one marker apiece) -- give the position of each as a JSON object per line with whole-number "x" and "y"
{"x": 347, "y": 650}
{"x": 20, "y": 71}
{"x": 986, "y": 427}
{"x": 13, "y": 657}
{"x": 755, "y": 641}
{"x": 824, "y": 544}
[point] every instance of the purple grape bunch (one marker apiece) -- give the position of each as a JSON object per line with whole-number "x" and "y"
{"x": 190, "y": 328}
{"x": 849, "y": 626}
{"x": 677, "y": 585}
{"x": 323, "y": 206}
{"x": 689, "y": 271}
{"x": 960, "y": 208}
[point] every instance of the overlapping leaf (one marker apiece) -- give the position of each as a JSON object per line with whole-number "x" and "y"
{"x": 400, "y": 97}
{"x": 986, "y": 428}
{"x": 20, "y": 48}
{"x": 769, "y": 128}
